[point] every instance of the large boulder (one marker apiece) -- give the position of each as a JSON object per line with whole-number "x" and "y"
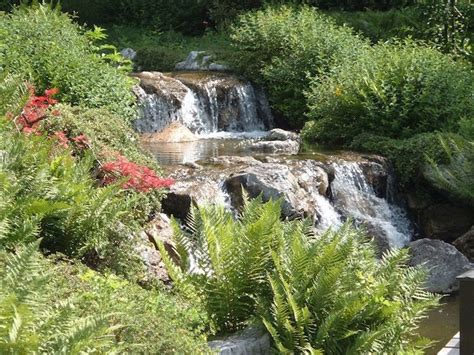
{"x": 278, "y": 141}
{"x": 252, "y": 340}
{"x": 465, "y": 244}
{"x": 173, "y": 133}
{"x": 443, "y": 261}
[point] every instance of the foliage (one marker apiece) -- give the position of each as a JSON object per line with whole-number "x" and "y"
{"x": 81, "y": 311}
{"x": 154, "y": 321}
{"x": 331, "y": 295}
{"x": 409, "y": 156}
{"x": 456, "y": 177}
{"x": 34, "y": 320}
{"x": 46, "y": 47}
{"x": 227, "y": 259}
{"x": 301, "y": 286}
{"x": 107, "y": 133}
{"x": 282, "y": 47}
{"x": 44, "y": 188}
{"x": 162, "y": 50}
{"x": 394, "y": 90}
{"x": 382, "y": 25}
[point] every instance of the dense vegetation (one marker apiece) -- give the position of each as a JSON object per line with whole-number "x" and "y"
{"x": 75, "y": 188}
{"x": 323, "y": 294}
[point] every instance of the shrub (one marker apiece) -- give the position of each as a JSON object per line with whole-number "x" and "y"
{"x": 301, "y": 286}
{"x": 331, "y": 295}
{"x": 34, "y": 320}
{"x": 283, "y": 47}
{"x": 456, "y": 177}
{"x": 45, "y": 46}
{"x": 79, "y": 311}
{"x": 393, "y": 90}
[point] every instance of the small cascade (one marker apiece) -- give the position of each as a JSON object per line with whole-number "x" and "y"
{"x": 355, "y": 198}
{"x": 204, "y": 102}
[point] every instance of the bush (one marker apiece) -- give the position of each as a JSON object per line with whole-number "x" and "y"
{"x": 79, "y": 311}
{"x": 46, "y": 47}
{"x": 456, "y": 177}
{"x": 331, "y": 295}
{"x": 300, "y": 286}
{"x": 393, "y": 90}
{"x": 283, "y": 47}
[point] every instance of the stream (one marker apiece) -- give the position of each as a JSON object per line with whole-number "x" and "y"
{"x": 228, "y": 115}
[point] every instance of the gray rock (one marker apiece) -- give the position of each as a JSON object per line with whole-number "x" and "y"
{"x": 157, "y": 230}
{"x": 275, "y": 147}
{"x": 443, "y": 261}
{"x": 200, "y": 60}
{"x": 128, "y": 53}
{"x": 251, "y": 341}
{"x": 465, "y": 244}
{"x": 278, "y": 134}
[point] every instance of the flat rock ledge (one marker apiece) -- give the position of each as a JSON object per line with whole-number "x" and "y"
{"x": 251, "y": 341}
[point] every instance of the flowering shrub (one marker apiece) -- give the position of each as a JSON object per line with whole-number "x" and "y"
{"x": 137, "y": 177}
{"x": 36, "y": 109}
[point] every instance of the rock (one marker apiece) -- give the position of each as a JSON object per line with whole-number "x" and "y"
{"x": 275, "y": 147}
{"x": 158, "y": 230}
{"x": 128, "y": 53}
{"x": 173, "y": 133}
{"x": 199, "y": 60}
{"x": 465, "y": 244}
{"x": 278, "y": 134}
{"x": 443, "y": 261}
{"x": 252, "y": 340}
{"x": 376, "y": 172}
{"x": 296, "y": 183}
{"x": 445, "y": 221}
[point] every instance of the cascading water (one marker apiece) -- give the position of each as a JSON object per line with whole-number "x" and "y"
{"x": 353, "y": 197}
{"x": 203, "y": 102}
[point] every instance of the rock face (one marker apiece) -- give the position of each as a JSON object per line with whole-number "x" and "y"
{"x": 204, "y": 102}
{"x": 444, "y": 262}
{"x": 465, "y": 244}
{"x": 174, "y": 133}
{"x": 250, "y": 341}
{"x": 159, "y": 229}
{"x": 128, "y": 53}
{"x": 200, "y": 60}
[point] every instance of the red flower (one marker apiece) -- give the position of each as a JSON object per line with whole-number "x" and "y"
{"x": 62, "y": 139}
{"x": 81, "y": 141}
{"x": 35, "y": 109}
{"x": 138, "y": 177}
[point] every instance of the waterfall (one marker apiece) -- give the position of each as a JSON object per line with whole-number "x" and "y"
{"x": 355, "y": 198}
{"x": 203, "y": 102}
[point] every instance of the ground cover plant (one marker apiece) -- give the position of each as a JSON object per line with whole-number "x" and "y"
{"x": 260, "y": 269}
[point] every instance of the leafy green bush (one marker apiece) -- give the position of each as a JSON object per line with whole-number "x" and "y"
{"x": 34, "y": 320}
{"x": 283, "y": 47}
{"x": 301, "y": 286}
{"x": 456, "y": 177}
{"x": 331, "y": 295}
{"x": 382, "y": 25}
{"x": 107, "y": 133}
{"x": 46, "y": 189}
{"x": 393, "y": 90}
{"x": 79, "y": 310}
{"x": 46, "y": 47}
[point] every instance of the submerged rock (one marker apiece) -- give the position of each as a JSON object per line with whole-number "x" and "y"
{"x": 443, "y": 261}
{"x": 174, "y": 133}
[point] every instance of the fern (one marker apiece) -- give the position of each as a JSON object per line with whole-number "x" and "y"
{"x": 31, "y": 319}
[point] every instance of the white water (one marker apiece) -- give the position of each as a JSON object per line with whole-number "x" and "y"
{"x": 354, "y": 198}
{"x": 210, "y": 105}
